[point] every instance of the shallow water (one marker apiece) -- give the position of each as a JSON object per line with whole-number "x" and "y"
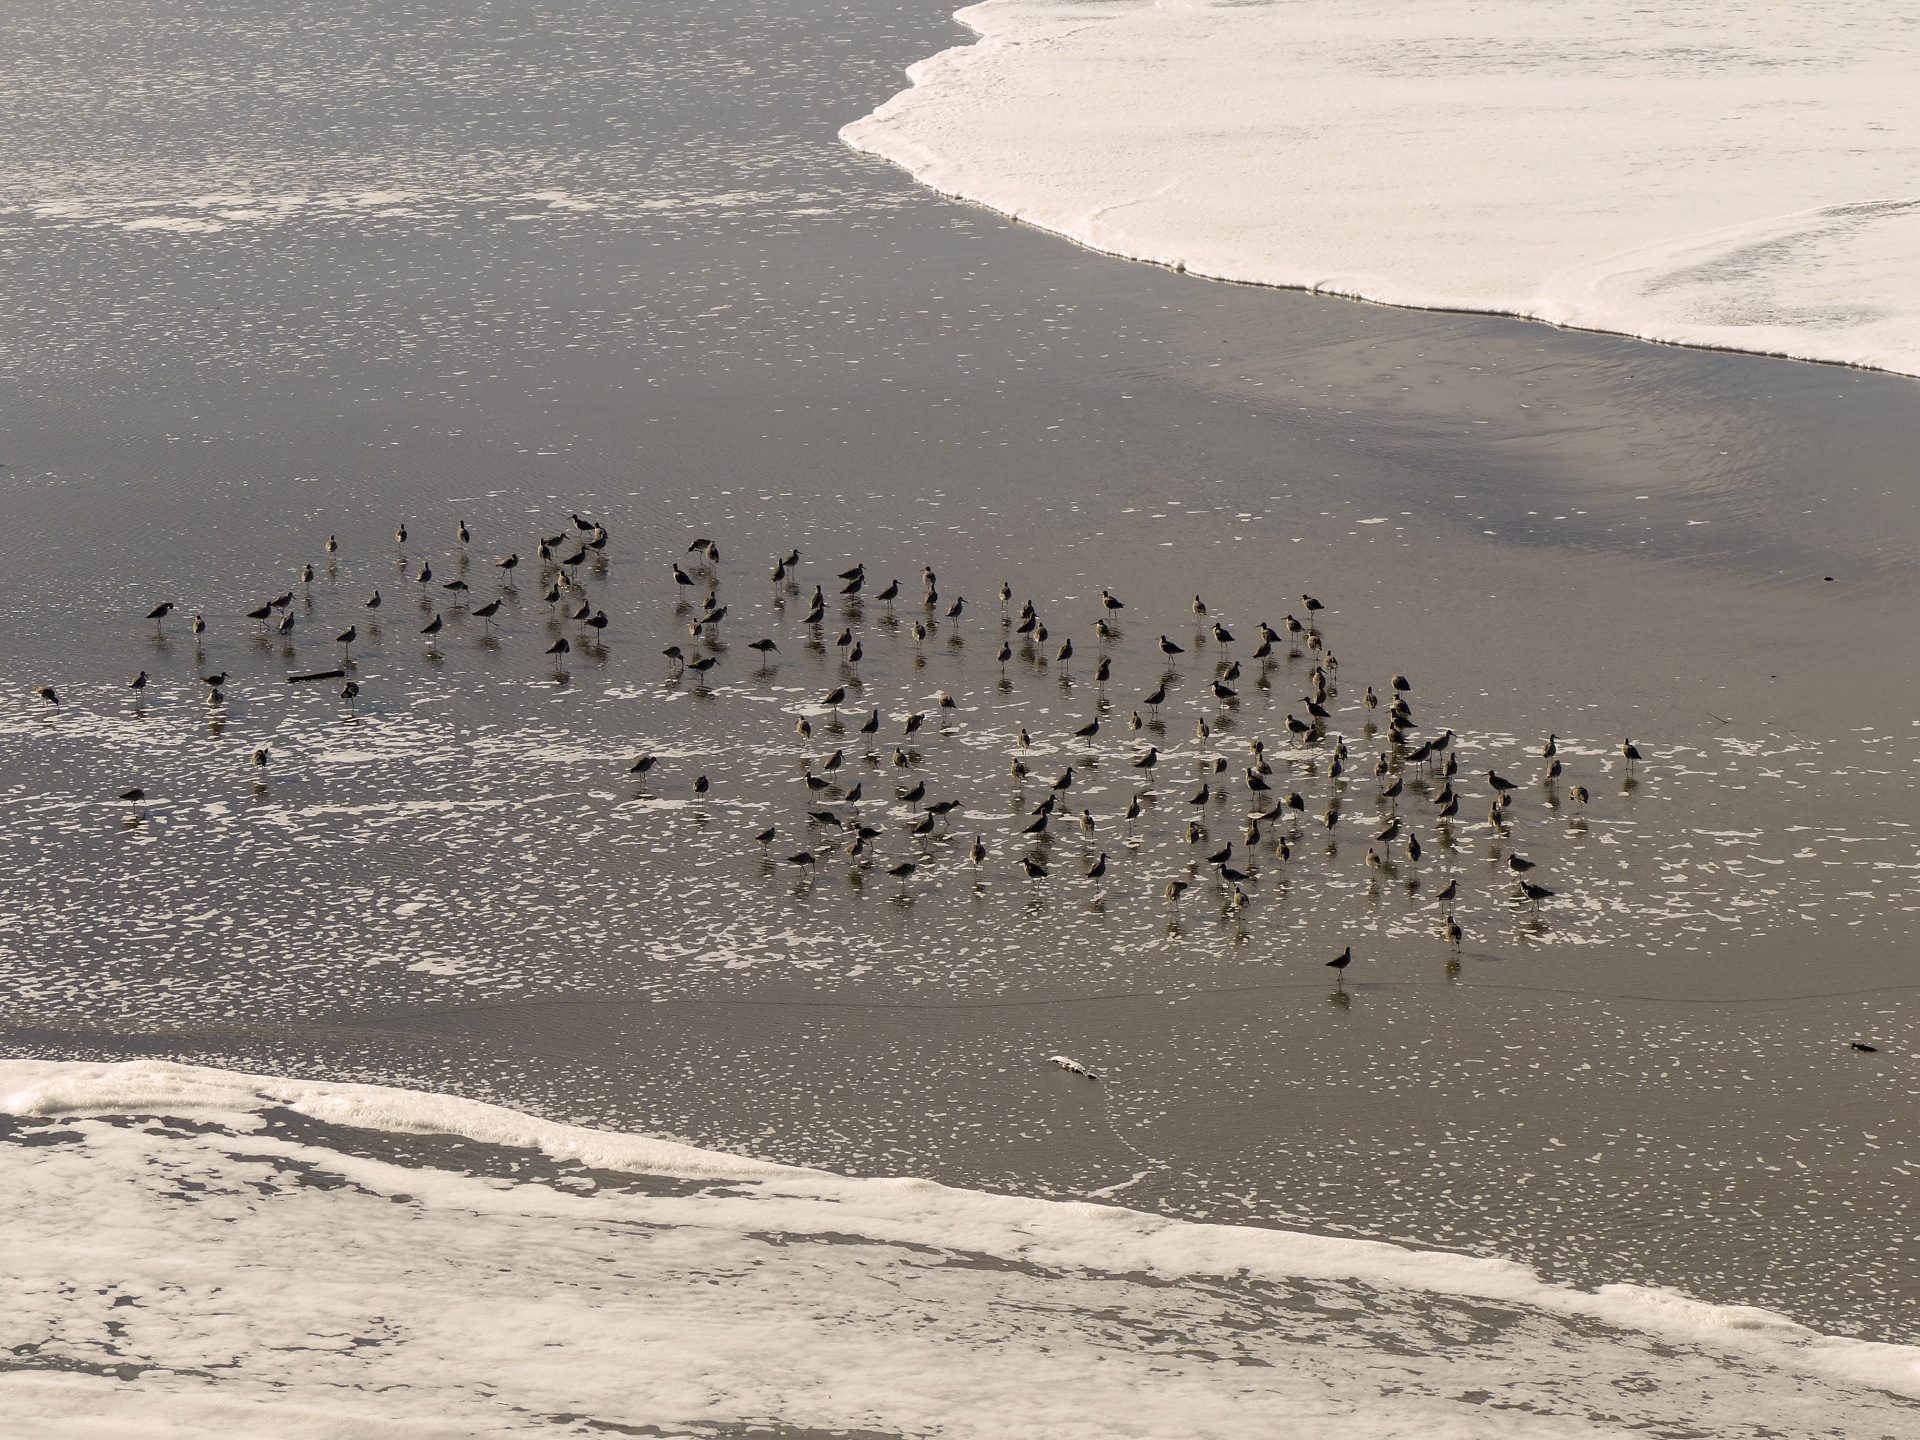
{"x": 760, "y": 337}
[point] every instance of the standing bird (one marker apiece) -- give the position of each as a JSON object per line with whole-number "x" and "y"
{"x": 400, "y": 533}
{"x": 47, "y": 693}
{"x": 487, "y": 611}
{"x": 139, "y": 682}
{"x": 373, "y": 601}
{"x": 158, "y": 614}
{"x": 349, "y": 692}
{"x": 1630, "y": 753}
{"x": 432, "y": 631}
{"x": 460, "y": 532}
{"x": 345, "y": 640}
{"x": 1339, "y": 963}
{"x": 1167, "y": 647}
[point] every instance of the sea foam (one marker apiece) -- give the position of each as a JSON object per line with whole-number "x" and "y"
{"x": 180, "y": 1261}
{"x": 1741, "y": 176}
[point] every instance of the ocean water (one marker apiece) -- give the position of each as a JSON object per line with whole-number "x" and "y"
{"x": 196, "y": 1251}
{"x": 1745, "y": 176}
{"x": 458, "y": 887}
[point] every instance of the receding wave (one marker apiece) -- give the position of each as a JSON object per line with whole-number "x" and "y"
{"x": 196, "y": 1251}
{"x": 1741, "y": 177}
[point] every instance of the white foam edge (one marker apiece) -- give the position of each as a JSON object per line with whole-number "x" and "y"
{"x": 1054, "y": 1234}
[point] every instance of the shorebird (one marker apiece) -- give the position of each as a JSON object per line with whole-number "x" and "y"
{"x": 349, "y": 692}
{"x": 1035, "y": 870}
{"x": 1314, "y": 607}
{"x": 346, "y": 638}
{"x": 400, "y": 534}
{"x": 139, "y": 682}
{"x": 432, "y": 631}
{"x": 47, "y": 693}
{"x": 641, "y": 765}
{"x": 1630, "y": 753}
{"x": 1499, "y": 786}
{"x": 158, "y": 614}
{"x": 373, "y": 601}
{"x": 487, "y": 611}
{"x": 1167, "y": 647}
{"x": 508, "y": 563}
{"x": 1339, "y": 963}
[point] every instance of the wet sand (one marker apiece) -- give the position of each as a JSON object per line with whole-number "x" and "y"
{"x": 461, "y": 889}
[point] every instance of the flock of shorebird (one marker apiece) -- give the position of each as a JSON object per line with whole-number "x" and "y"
{"x": 440, "y": 599}
{"x": 1411, "y": 763}
{"x": 838, "y": 817}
